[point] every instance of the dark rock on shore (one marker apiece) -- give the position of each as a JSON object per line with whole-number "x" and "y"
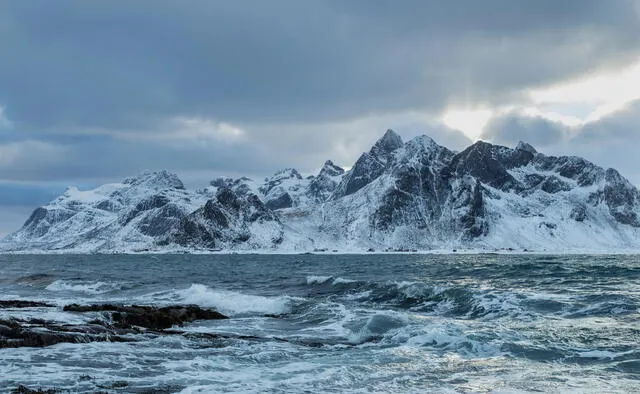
{"x": 118, "y": 324}
{"x": 25, "y": 390}
{"x": 127, "y": 317}
{"x": 16, "y": 333}
{"x": 22, "y": 304}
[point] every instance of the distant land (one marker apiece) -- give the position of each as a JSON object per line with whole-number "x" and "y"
{"x": 399, "y": 196}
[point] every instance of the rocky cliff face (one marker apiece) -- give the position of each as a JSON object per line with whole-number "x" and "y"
{"x": 413, "y": 195}
{"x": 231, "y": 220}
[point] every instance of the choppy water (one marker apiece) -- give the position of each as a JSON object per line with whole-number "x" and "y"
{"x": 373, "y": 323}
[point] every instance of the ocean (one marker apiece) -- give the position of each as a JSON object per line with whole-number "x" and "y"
{"x": 334, "y": 323}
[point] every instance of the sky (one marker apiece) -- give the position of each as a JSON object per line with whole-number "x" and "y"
{"x": 95, "y": 91}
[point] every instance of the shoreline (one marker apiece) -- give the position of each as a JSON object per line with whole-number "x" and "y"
{"x": 449, "y": 252}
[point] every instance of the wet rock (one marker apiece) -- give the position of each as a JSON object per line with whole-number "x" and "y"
{"x": 5, "y": 304}
{"x": 25, "y": 390}
{"x": 150, "y": 317}
{"x": 15, "y": 333}
{"x": 119, "y": 324}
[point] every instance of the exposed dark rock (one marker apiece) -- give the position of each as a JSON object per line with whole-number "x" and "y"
{"x": 622, "y": 198}
{"x": 225, "y": 220}
{"x": 213, "y": 212}
{"x": 37, "y": 215}
{"x": 156, "y": 179}
{"x": 162, "y": 221}
{"x": 532, "y": 181}
{"x": 548, "y": 225}
{"x": 331, "y": 169}
{"x": 370, "y": 165}
{"x": 526, "y": 147}
{"x": 473, "y": 222}
{"x": 152, "y": 202}
{"x": 578, "y": 213}
{"x": 238, "y": 186}
{"x": 107, "y": 205}
{"x": 25, "y": 390}
{"x": 385, "y": 146}
{"x": 483, "y": 161}
{"x": 228, "y": 199}
{"x": 553, "y": 184}
{"x": 4, "y": 304}
{"x": 148, "y": 316}
{"x": 278, "y": 179}
{"x": 582, "y": 171}
{"x": 280, "y": 202}
{"x": 322, "y": 187}
{"x": 121, "y": 321}
{"x": 37, "y": 333}
{"x": 41, "y": 220}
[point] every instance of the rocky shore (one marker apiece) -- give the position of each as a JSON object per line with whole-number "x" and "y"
{"x": 109, "y": 323}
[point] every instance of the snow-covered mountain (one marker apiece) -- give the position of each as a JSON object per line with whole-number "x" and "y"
{"x": 416, "y": 195}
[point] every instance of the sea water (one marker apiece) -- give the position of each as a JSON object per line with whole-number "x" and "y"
{"x": 339, "y": 323}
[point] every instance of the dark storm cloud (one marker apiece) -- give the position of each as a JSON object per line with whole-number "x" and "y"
{"x": 92, "y": 89}
{"x": 510, "y": 128}
{"x": 104, "y": 157}
{"x": 116, "y": 64}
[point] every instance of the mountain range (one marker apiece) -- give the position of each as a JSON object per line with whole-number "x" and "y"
{"x": 398, "y": 196}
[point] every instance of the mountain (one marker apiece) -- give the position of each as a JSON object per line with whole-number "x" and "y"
{"x": 414, "y": 195}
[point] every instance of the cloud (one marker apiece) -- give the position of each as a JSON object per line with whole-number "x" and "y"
{"x": 512, "y": 127}
{"x": 4, "y": 122}
{"x": 611, "y": 141}
{"x": 91, "y": 64}
{"x": 95, "y": 92}
{"x": 14, "y": 153}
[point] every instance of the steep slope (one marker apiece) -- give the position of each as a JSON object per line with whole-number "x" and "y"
{"x": 370, "y": 165}
{"x": 113, "y": 217}
{"x": 230, "y": 220}
{"x": 322, "y": 186}
{"x": 487, "y": 196}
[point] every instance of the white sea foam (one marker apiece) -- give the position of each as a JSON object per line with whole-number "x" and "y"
{"x": 342, "y": 281}
{"x": 234, "y": 303}
{"x": 88, "y": 287}
{"x": 603, "y": 354}
{"x": 317, "y": 280}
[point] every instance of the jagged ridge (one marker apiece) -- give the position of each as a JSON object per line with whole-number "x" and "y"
{"x": 413, "y": 195}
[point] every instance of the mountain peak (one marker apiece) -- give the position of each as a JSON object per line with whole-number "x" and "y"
{"x": 331, "y": 169}
{"x": 155, "y": 179}
{"x": 526, "y": 147}
{"x": 286, "y": 173}
{"x": 389, "y": 142}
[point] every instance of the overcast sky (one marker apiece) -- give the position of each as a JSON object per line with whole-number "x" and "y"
{"x": 94, "y": 91}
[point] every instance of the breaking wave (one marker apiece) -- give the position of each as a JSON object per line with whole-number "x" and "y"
{"x": 87, "y": 287}
{"x": 233, "y": 303}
